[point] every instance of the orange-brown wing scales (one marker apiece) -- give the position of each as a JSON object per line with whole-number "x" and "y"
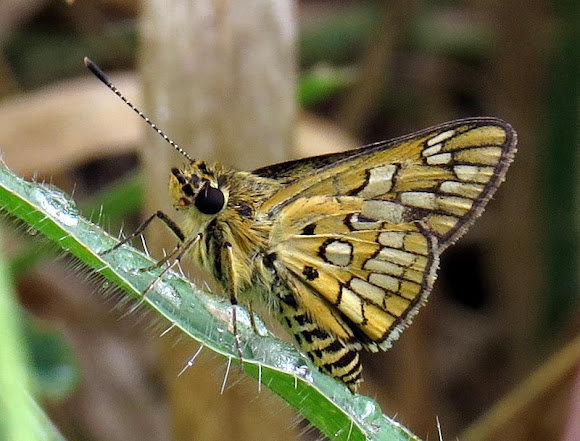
{"x": 375, "y": 278}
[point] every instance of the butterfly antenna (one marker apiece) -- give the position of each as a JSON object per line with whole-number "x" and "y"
{"x": 96, "y": 70}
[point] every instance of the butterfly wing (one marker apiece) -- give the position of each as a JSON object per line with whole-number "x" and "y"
{"x": 374, "y": 273}
{"x": 443, "y": 176}
{"x": 357, "y": 235}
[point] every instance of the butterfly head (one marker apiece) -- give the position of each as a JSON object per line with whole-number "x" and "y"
{"x": 196, "y": 187}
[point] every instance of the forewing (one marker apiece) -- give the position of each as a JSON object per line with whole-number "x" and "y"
{"x": 442, "y": 176}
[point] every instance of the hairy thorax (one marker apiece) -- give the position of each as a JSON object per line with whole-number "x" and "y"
{"x": 240, "y": 223}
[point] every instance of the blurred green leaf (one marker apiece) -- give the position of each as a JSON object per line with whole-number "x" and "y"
{"x": 321, "y": 83}
{"x": 55, "y": 368}
{"x": 20, "y": 417}
{"x": 339, "y": 38}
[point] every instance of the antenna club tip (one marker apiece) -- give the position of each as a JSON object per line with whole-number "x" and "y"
{"x": 96, "y": 70}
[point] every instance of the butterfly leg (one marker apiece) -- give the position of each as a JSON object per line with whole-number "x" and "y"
{"x": 173, "y": 227}
{"x": 229, "y": 258}
{"x": 179, "y": 252}
{"x": 253, "y": 320}
{"x": 163, "y": 261}
{"x": 176, "y": 254}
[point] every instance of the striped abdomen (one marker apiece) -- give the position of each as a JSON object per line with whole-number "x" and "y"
{"x": 331, "y": 355}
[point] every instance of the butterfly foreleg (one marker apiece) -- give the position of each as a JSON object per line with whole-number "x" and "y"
{"x": 178, "y": 253}
{"x": 173, "y": 227}
{"x": 253, "y": 319}
{"x": 228, "y": 258}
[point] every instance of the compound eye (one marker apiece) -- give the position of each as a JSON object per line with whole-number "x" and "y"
{"x": 210, "y": 200}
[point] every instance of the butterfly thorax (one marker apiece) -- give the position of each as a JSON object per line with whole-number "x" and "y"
{"x": 223, "y": 205}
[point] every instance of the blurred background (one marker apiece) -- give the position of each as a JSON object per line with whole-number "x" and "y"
{"x": 495, "y": 353}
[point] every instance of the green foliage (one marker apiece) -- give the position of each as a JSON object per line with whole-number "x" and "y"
{"x": 322, "y": 82}
{"x": 205, "y": 318}
{"x": 20, "y": 417}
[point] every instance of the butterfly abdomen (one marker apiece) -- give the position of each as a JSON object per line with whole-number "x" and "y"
{"x": 330, "y": 354}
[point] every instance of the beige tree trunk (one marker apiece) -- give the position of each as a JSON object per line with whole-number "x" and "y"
{"x": 219, "y": 78}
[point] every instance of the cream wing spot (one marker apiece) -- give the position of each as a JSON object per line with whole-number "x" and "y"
{"x": 363, "y": 224}
{"x": 466, "y": 172}
{"x": 432, "y": 150}
{"x": 398, "y": 257}
{"x": 383, "y": 210}
{"x": 367, "y": 290}
{"x": 419, "y": 199}
{"x": 443, "y": 136}
{"x": 392, "y": 239}
{"x": 432, "y": 201}
{"x": 462, "y": 189}
{"x": 337, "y": 252}
{"x": 380, "y": 181}
{"x": 351, "y": 305}
{"x": 440, "y": 159}
{"x": 381, "y": 266}
{"x": 473, "y": 173}
{"x": 390, "y": 283}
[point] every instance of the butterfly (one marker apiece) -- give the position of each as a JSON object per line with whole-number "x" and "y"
{"x": 343, "y": 249}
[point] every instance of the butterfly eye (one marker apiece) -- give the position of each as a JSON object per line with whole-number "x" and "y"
{"x": 210, "y": 200}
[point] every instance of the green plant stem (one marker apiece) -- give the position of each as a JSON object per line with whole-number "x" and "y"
{"x": 326, "y": 403}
